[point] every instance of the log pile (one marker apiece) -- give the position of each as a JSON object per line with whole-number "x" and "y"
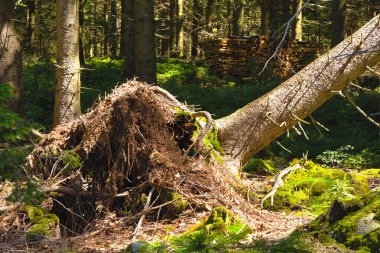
{"x": 244, "y": 57}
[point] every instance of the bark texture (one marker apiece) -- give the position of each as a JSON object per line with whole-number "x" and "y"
{"x": 145, "y": 60}
{"x": 238, "y": 18}
{"x": 245, "y": 132}
{"x": 129, "y": 55}
{"x": 10, "y": 54}
{"x": 67, "y": 93}
{"x": 338, "y": 21}
{"x": 297, "y": 33}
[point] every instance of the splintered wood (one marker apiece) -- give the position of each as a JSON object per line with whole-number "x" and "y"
{"x": 246, "y": 56}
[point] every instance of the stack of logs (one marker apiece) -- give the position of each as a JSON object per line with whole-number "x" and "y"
{"x": 245, "y": 57}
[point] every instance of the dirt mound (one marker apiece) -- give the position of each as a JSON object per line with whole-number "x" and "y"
{"x": 130, "y": 149}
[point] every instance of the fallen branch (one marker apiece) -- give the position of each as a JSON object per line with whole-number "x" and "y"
{"x": 278, "y": 183}
{"x": 141, "y": 220}
{"x": 205, "y": 130}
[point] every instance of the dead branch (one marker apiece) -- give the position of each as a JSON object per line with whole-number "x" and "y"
{"x": 349, "y": 98}
{"x": 278, "y": 183}
{"x": 205, "y": 130}
{"x": 141, "y": 220}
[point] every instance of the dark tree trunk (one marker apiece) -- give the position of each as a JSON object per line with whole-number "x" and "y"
{"x": 264, "y": 18}
{"x": 145, "y": 54}
{"x": 197, "y": 14}
{"x": 113, "y": 32}
{"x": 10, "y": 55}
{"x": 95, "y": 29}
{"x": 208, "y": 14}
{"x": 180, "y": 28}
{"x": 339, "y": 21}
{"x": 172, "y": 27}
{"x": 129, "y": 56}
{"x": 123, "y": 28}
{"x": 237, "y": 18}
{"x": 105, "y": 29}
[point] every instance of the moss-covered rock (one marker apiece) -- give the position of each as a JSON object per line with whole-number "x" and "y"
{"x": 353, "y": 223}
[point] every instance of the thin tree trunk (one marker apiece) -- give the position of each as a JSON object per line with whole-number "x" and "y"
{"x": 297, "y": 32}
{"x": 67, "y": 91}
{"x": 145, "y": 55}
{"x": 129, "y": 56}
{"x": 264, "y": 18}
{"x": 339, "y": 21}
{"x": 95, "y": 30}
{"x": 208, "y": 14}
{"x": 105, "y": 29}
{"x": 195, "y": 28}
{"x": 31, "y": 26}
{"x": 81, "y": 23}
{"x": 10, "y": 55}
{"x": 123, "y": 28}
{"x": 245, "y": 132}
{"x": 113, "y": 26}
{"x": 172, "y": 27}
{"x": 180, "y": 29}
{"x": 237, "y": 18}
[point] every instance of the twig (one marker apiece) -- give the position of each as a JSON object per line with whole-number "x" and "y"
{"x": 349, "y": 98}
{"x": 146, "y": 206}
{"x": 373, "y": 71}
{"x": 205, "y": 130}
{"x": 278, "y": 183}
{"x": 287, "y": 150}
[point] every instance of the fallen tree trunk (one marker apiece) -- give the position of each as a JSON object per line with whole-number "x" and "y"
{"x": 248, "y": 130}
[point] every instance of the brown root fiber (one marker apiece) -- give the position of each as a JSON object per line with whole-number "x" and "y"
{"x": 130, "y": 142}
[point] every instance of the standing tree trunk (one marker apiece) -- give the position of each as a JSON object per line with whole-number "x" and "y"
{"x": 339, "y": 21}
{"x": 197, "y": 12}
{"x": 208, "y": 14}
{"x": 105, "y": 29}
{"x": 113, "y": 31}
{"x": 31, "y": 26}
{"x": 297, "y": 32}
{"x": 180, "y": 29}
{"x": 82, "y": 59}
{"x": 95, "y": 29}
{"x": 10, "y": 55}
{"x": 245, "y": 132}
{"x": 145, "y": 55}
{"x": 129, "y": 56}
{"x": 237, "y": 18}
{"x": 172, "y": 27}
{"x": 264, "y": 18}
{"x": 67, "y": 91}
{"x": 123, "y": 28}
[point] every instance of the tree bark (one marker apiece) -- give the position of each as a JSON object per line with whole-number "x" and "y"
{"x": 145, "y": 55}
{"x": 208, "y": 14}
{"x": 82, "y": 59}
{"x": 172, "y": 27}
{"x": 31, "y": 26}
{"x": 123, "y": 28}
{"x": 95, "y": 29}
{"x": 113, "y": 31}
{"x": 195, "y": 28}
{"x": 105, "y": 29}
{"x": 245, "y": 132}
{"x": 10, "y": 55}
{"x": 297, "y": 32}
{"x": 264, "y": 18}
{"x": 339, "y": 21}
{"x": 237, "y": 18}
{"x": 129, "y": 56}
{"x": 180, "y": 29}
{"x": 67, "y": 91}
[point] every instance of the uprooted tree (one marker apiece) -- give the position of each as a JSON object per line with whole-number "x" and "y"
{"x": 141, "y": 140}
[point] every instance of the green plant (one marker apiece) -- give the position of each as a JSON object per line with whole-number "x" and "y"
{"x": 335, "y": 157}
{"x": 12, "y": 127}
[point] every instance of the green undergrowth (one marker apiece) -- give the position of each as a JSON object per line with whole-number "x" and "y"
{"x": 314, "y": 188}
{"x": 42, "y": 222}
{"x": 259, "y": 166}
{"x": 220, "y": 232}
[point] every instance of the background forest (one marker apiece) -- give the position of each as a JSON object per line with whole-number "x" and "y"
{"x": 178, "y": 45}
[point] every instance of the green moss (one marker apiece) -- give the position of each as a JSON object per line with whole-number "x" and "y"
{"x": 316, "y": 187}
{"x": 352, "y": 223}
{"x": 259, "y": 166}
{"x": 42, "y": 222}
